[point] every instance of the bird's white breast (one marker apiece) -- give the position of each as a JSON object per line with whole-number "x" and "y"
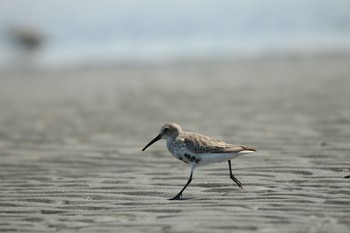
{"x": 176, "y": 147}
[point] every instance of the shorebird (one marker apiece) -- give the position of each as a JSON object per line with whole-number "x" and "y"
{"x": 197, "y": 149}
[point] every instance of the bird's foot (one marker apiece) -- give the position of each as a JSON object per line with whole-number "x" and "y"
{"x": 237, "y": 182}
{"x": 177, "y": 197}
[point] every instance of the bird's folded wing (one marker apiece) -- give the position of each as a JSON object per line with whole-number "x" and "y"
{"x": 198, "y": 143}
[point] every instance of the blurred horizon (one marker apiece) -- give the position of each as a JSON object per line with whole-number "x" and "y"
{"x": 72, "y": 34}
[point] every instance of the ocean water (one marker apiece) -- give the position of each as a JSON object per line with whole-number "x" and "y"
{"x": 99, "y": 32}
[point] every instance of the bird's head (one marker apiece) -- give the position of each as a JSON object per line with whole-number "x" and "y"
{"x": 168, "y": 131}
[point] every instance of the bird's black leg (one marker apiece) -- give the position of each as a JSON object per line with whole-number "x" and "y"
{"x": 232, "y": 176}
{"x": 178, "y": 196}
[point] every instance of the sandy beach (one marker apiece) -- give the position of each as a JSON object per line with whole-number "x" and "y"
{"x": 71, "y": 160}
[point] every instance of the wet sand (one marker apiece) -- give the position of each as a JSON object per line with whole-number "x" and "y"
{"x": 71, "y": 160}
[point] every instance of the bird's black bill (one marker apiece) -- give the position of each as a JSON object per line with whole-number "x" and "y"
{"x": 153, "y": 141}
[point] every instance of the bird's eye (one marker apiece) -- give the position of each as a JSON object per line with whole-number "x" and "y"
{"x": 165, "y": 130}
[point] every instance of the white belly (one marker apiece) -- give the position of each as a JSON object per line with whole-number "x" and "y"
{"x": 220, "y": 157}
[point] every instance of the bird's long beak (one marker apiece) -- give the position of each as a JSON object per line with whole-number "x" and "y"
{"x": 153, "y": 141}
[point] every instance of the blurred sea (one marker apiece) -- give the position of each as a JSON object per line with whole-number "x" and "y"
{"x": 76, "y": 33}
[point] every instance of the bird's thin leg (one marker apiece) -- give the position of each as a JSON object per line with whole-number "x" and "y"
{"x": 232, "y": 176}
{"x": 178, "y": 196}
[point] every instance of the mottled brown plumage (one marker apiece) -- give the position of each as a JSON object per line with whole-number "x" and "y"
{"x": 198, "y": 143}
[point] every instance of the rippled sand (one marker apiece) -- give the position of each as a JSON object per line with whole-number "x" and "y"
{"x": 71, "y": 160}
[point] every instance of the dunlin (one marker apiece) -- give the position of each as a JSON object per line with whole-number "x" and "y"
{"x": 197, "y": 149}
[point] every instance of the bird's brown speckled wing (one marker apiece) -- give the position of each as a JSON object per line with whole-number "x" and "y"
{"x": 198, "y": 143}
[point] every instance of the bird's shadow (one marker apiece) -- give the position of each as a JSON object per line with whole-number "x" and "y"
{"x": 180, "y": 199}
